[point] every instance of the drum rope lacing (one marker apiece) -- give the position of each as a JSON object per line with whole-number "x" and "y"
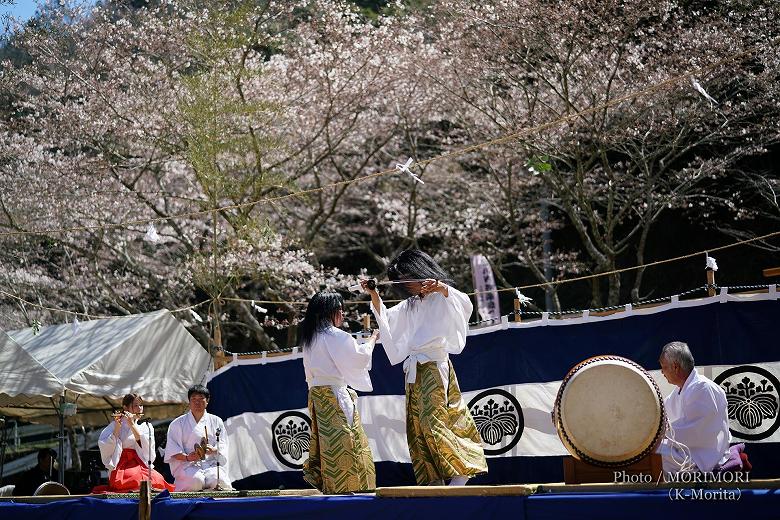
{"x": 686, "y": 464}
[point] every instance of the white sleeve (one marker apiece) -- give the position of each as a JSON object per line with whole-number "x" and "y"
{"x": 110, "y": 447}
{"x": 173, "y": 444}
{"x": 347, "y": 354}
{"x": 394, "y": 325}
{"x": 146, "y": 449}
{"x": 698, "y": 414}
{"x": 459, "y": 308}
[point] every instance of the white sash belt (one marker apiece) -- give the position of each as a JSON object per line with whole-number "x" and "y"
{"x": 339, "y": 388}
{"x": 425, "y": 354}
{"x": 345, "y": 402}
{"x": 326, "y": 381}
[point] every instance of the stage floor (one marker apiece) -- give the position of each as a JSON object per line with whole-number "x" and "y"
{"x": 754, "y": 500}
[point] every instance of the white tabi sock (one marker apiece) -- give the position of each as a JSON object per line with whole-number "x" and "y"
{"x": 459, "y": 480}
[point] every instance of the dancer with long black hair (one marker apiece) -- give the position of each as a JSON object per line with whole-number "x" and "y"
{"x": 422, "y": 331}
{"x": 340, "y": 459}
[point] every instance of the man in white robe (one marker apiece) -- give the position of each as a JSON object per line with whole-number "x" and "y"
{"x": 698, "y": 413}
{"x": 196, "y": 468}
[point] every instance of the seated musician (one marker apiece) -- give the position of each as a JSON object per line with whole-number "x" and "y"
{"x": 698, "y": 414}
{"x": 29, "y": 481}
{"x": 127, "y": 450}
{"x": 197, "y": 446}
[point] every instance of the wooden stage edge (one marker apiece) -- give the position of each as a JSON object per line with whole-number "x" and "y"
{"x": 435, "y": 491}
{"x": 456, "y": 491}
{"x": 536, "y": 489}
{"x": 181, "y": 495}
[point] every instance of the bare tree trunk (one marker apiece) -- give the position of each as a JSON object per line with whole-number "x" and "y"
{"x": 245, "y": 314}
{"x": 292, "y": 329}
{"x": 595, "y": 292}
{"x": 201, "y": 335}
{"x": 553, "y": 293}
{"x": 614, "y": 289}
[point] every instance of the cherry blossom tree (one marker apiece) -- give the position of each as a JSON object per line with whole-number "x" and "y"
{"x": 112, "y": 125}
{"x": 263, "y": 137}
{"x": 611, "y": 172}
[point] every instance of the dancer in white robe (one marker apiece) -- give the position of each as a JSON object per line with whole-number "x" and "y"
{"x": 421, "y": 332}
{"x": 197, "y": 460}
{"x": 340, "y": 459}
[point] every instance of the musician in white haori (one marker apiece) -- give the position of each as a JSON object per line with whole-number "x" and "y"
{"x": 197, "y": 459}
{"x": 698, "y": 415}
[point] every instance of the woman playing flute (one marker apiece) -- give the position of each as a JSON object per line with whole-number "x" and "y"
{"x": 127, "y": 450}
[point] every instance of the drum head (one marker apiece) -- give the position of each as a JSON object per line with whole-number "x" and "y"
{"x": 609, "y": 412}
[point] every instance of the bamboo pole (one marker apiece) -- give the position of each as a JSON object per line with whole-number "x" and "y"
{"x": 710, "y": 282}
{"x": 144, "y": 501}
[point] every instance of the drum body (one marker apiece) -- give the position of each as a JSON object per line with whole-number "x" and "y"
{"x": 51, "y": 488}
{"x": 609, "y": 412}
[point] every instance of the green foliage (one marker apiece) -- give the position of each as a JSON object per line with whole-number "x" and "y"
{"x": 225, "y": 141}
{"x": 223, "y": 147}
{"x": 540, "y": 163}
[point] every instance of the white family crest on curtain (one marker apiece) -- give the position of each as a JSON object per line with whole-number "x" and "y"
{"x": 485, "y": 287}
{"x": 753, "y": 395}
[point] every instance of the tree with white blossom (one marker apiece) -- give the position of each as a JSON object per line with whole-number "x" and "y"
{"x": 244, "y": 130}
{"x": 610, "y": 173}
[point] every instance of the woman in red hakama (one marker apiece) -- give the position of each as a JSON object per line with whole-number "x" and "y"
{"x": 127, "y": 449}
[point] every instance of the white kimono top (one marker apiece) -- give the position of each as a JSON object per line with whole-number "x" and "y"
{"x": 334, "y": 358}
{"x": 429, "y": 330}
{"x": 699, "y": 416}
{"x": 111, "y": 446}
{"x": 184, "y": 433}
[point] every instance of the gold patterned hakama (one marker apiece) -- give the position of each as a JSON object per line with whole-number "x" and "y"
{"x": 340, "y": 459}
{"x": 443, "y": 439}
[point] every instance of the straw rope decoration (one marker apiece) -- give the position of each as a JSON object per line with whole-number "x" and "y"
{"x": 91, "y": 316}
{"x": 366, "y": 302}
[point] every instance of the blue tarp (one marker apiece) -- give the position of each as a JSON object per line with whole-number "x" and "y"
{"x": 652, "y": 505}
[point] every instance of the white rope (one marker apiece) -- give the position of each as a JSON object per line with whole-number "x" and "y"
{"x": 686, "y": 464}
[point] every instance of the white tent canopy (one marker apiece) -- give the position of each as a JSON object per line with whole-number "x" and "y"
{"x": 94, "y": 366}
{"x": 20, "y": 371}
